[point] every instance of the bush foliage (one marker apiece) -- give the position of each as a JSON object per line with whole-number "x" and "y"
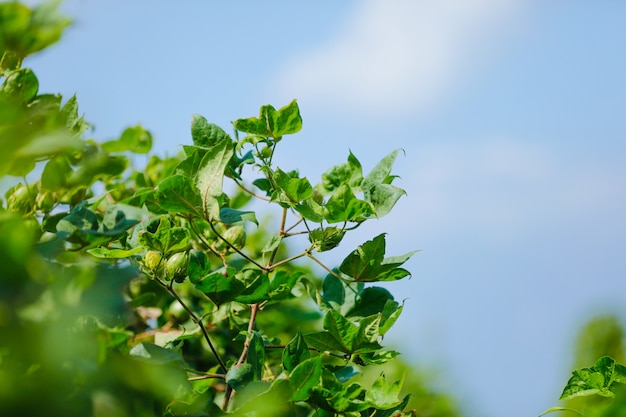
{"x": 152, "y": 291}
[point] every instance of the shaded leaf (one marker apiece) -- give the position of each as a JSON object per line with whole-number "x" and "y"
{"x": 304, "y": 377}
{"x": 295, "y": 352}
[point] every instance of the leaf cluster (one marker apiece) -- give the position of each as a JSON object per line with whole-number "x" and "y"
{"x": 159, "y": 290}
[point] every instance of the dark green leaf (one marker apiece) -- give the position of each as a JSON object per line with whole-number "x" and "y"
{"x": 230, "y": 216}
{"x": 256, "y": 356}
{"x": 199, "y": 266}
{"x": 219, "y": 288}
{"x": 367, "y": 263}
{"x": 295, "y": 352}
{"x": 256, "y": 285}
{"x": 324, "y": 341}
{"x": 333, "y": 293}
{"x": 370, "y": 301}
{"x": 304, "y": 377}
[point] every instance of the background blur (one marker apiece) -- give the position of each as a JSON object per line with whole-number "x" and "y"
{"x": 511, "y": 114}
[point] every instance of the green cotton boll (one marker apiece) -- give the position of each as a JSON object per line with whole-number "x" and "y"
{"x": 152, "y": 260}
{"x": 46, "y": 200}
{"x": 176, "y": 267}
{"x": 236, "y": 236}
{"x": 21, "y": 198}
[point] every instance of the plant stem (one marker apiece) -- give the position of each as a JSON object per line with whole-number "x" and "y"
{"x": 252, "y": 193}
{"x": 254, "y": 309}
{"x": 336, "y": 355}
{"x": 330, "y": 271}
{"x": 230, "y": 245}
{"x": 198, "y": 321}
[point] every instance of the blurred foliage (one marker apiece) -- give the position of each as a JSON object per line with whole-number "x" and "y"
{"x": 597, "y": 390}
{"x": 145, "y": 292}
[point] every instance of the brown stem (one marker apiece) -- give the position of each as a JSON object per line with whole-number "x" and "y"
{"x": 284, "y": 261}
{"x": 254, "y": 309}
{"x": 281, "y": 233}
{"x": 330, "y": 271}
{"x": 252, "y": 193}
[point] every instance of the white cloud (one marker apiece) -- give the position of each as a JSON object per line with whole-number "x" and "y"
{"x": 398, "y": 53}
{"x": 504, "y": 190}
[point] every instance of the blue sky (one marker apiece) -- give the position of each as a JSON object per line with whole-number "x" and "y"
{"x": 511, "y": 115}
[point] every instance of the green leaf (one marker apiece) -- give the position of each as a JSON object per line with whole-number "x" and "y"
{"x": 326, "y": 239}
{"x": 25, "y": 32}
{"x": 553, "y": 409}
{"x": 367, "y": 263}
{"x": 230, "y": 216}
{"x": 343, "y": 330}
{"x": 374, "y": 357}
{"x": 199, "y": 266}
{"x": 206, "y": 134}
{"x": 165, "y": 238}
{"x": 333, "y": 293}
{"x": 304, "y": 377}
{"x": 271, "y": 122}
{"x": 21, "y": 85}
{"x": 383, "y": 197}
{"x": 598, "y": 380}
{"x": 311, "y": 210}
{"x": 177, "y": 194}
{"x": 240, "y": 375}
{"x": 210, "y": 177}
{"x": 343, "y": 206}
{"x": 256, "y": 356}
{"x": 106, "y": 253}
{"x": 381, "y": 172}
{"x": 350, "y": 174}
{"x": 295, "y": 352}
{"x": 382, "y": 395}
{"x": 363, "y": 263}
{"x": 151, "y": 353}
{"x": 256, "y": 286}
{"x": 282, "y": 283}
{"x": 291, "y": 189}
{"x": 134, "y": 139}
{"x": 272, "y": 244}
{"x": 324, "y": 341}
{"x": 377, "y": 188}
{"x": 391, "y": 312}
{"x": 219, "y": 288}
{"x": 370, "y": 301}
